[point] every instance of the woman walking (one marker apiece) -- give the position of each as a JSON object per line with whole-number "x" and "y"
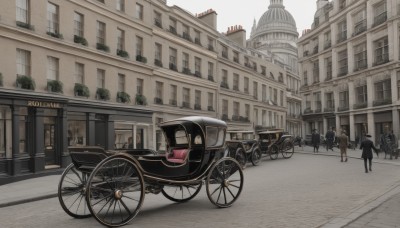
{"x": 367, "y": 145}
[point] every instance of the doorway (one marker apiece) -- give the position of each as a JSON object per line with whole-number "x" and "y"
{"x": 50, "y": 142}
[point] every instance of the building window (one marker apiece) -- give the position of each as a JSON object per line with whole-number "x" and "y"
{"x": 78, "y": 24}
{"x": 246, "y": 85}
{"x": 316, "y": 71}
{"x": 210, "y": 44}
{"x": 174, "y": 95}
{"x": 362, "y": 94}
{"x": 317, "y": 100}
{"x": 235, "y": 111}
{"x": 330, "y": 103}
{"x": 380, "y": 13}
{"x": 344, "y": 99}
{"x": 305, "y": 78}
{"x": 197, "y": 66}
{"x": 255, "y": 90}
{"x": 342, "y": 31}
{"x": 210, "y": 102}
{"x": 381, "y": 47}
{"x": 197, "y": 37}
{"x": 197, "y": 100}
{"x": 264, "y": 93}
{"x": 101, "y": 33}
{"x": 360, "y": 22}
{"x": 342, "y": 57}
{"x": 327, "y": 40}
{"x": 275, "y": 97}
{"x": 159, "y": 90}
{"x": 121, "y": 83}
{"x": 23, "y": 120}
{"x": 5, "y": 121}
{"x": 328, "y": 67}
{"x": 186, "y": 32}
{"x": 360, "y": 56}
{"x": 210, "y": 69}
{"x": 247, "y": 111}
{"x": 172, "y": 25}
{"x": 22, "y": 7}
{"x": 139, "y": 11}
{"x": 52, "y": 18}
{"x": 52, "y": 68}
{"x": 186, "y": 97}
{"x": 383, "y": 90}
{"x": 308, "y": 101}
{"x": 139, "y": 46}
{"x": 236, "y": 57}
{"x": 139, "y": 86}
{"x": 101, "y": 78}
{"x": 121, "y": 5}
{"x": 224, "y": 52}
{"x": 79, "y": 73}
{"x": 172, "y": 58}
{"x": 120, "y": 39}
{"x": 281, "y": 100}
{"x": 158, "y": 53}
{"x": 23, "y": 62}
{"x": 225, "y": 108}
{"x": 157, "y": 19}
{"x": 236, "y": 82}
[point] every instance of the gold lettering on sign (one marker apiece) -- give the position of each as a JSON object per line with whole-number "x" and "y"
{"x": 44, "y": 104}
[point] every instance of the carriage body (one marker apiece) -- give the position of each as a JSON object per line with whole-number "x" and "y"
{"x": 118, "y": 180}
{"x": 242, "y": 145}
{"x": 276, "y": 141}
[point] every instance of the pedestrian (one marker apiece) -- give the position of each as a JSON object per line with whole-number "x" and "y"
{"x": 343, "y": 144}
{"x": 385, "y": 143}
{"x": 393, "y": 145}
{"x": 315, "y": 140}
{"x": 367, "y": 145}
{"x": 329, "y": 137}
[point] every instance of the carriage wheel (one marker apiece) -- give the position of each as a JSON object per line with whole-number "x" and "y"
{"x": 274, "y": 152}
{"x": 71, "y": 192}
{"x": 256, "y": 156}
{"x": 115, "y": 191}
{"x": 288, "y": 150}
{"x": 224, "y": 182}
{"x": 181, "y": 193}
{"x": 241, "y": 157}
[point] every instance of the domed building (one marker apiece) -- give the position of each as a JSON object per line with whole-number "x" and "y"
{"x": 276, "y": 32}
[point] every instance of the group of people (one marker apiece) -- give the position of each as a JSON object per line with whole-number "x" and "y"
{"x": 388, "y": 143}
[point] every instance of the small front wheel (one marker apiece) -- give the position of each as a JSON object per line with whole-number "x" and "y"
{"x": 115, "y": 191}
{"x": 287, "y": 150}
{"x": 181, "y": 193}
{"x": 273, "y": 152}
{"x": 224, "y": 182}
{"x": 256, "y": 156}
{"x": 241, "y": 157}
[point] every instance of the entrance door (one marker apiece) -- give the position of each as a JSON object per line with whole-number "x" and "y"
{"x": 49, "y": 144}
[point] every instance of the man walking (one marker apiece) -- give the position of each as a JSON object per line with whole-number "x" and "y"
{"x": 330, "y": 136}
{"x": 367, "y": 145}
{"x": 315, "y": 140}
{"x": 343, "y": 144}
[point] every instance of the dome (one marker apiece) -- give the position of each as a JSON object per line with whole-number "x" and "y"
{"x": 276, "y": 18}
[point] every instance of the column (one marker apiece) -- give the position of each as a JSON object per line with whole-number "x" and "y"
{"x": 65, "y": 158}
{"x": 15, "y": 163}
{"x": 350, "y": 61}
{"x": 352, "y": 96}
{"x": 396, "y": 34}
{"x": 393, "y": 82}
{"x": 38, "y": 158}
{"x": 334, "y": 63}
{"x": 396, "y": 122}
{"x": 110, "y": 136}
{"x": 134, "y": 136}
{"x": 325, "y": 125}
{"x": 370, "y": 13}
{"x": 370, "y": 91}
{"x": 337, "y": 119}
{"x": 370, "y": 49}
{"x": 351, "y": 128}
{"x": 91, "y": 129}
{"x": 371, "y": 125}
{"x": 391, "y": 38}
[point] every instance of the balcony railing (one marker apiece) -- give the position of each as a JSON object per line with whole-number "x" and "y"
{"x": 185, "y": 104}
{"x": 197, "y": 106}
{"x": 158, "y": 100}
{"x": 305, "y": 53}
{"x": 172, "y": 102}
{"x": 210, "y": 78}
{"x": 382, "y": 102}
{"x": 361, "y": 65}
{"x": 327, "y": 44}
{"x": 342, "y": 109}
{"x": 329, "y": 109}
{"x": 157, "y": 22}
{"x": 360, "y": 27}
{"x": 224, "y": 54}
{"x": 315, "y": 50}
{"x": 210, "y": 108}
{"x": 318, "y": 110}
{"x": 381, "y": 59}
{"x": 380, "y": 19}
{"x": 360, "y": 105}
{"x": 342, "y": 36}
{"x": 308, "y": 111}
{"x": 343, "y": 71}
{"x": 224, "y": 85}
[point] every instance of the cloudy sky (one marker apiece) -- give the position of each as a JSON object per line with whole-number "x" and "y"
{"x": 236, "y": 12}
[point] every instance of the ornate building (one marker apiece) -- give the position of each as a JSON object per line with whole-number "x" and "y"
{"x": 350, "y": 66}
{"x": 105, "y": 72}
{"x": 276, "y": 33}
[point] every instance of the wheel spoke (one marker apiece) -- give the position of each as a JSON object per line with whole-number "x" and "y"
{"x": 126, "y": 208}
{"x": 219, "y": 193}
{"x": 105, "y": 197}
{"x": 215, "y": 190}
{"x": 230, "y": 192}
{"x": 223, "y": 188}
{"x": 130, "y": 198}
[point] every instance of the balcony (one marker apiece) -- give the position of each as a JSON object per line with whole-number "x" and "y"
{"x": 224, "y": 85}
{"x": 158, "y": 101}
{"x": 235, "y": 118}
{"x": 224, "y": 117}
{"x": 210, "y": 108}
{"x": 381, "y": 18}
{"x": 343, "y": 71}
{"x": 360, "y": 105}
{"x": 328, "y": 76}
{"x": 308, "y": 111}
{"x": 315, "y": 50}
{"x": 172, "y": 30}
{"x": 197, "y": 41}
{"x": 210, "y": 47}
{"x": 122, "y": 53}
{"x": 342, "y": 36}
{"x": 185, "y": 104}
{"x": 210, "y": 78}
{"x": 197, "y": 107}
{"x": 26, "y": 26}
{"x": 329, "y": 109}
{"x": 381, "y": 59}
{"x": 186, "y": 71}
{"x": 305, "y": 53}
{"x": 158, "y": 63}
{"x": 172, "y": 66}
{"x": 157, "y": 22}
{"x": 142, "y": 59}
{"x": 360, "y": 27}
{"x": 172, "y": 102}
{"x": 318, "y": 110}
{"x": 327, "y": 44}
{"x": 382, "y": 102}
{"x": 197, "y": 74}
{"x": 187, "y": 36}
{"x": 342, "y": 109}
{"x": 236, "y": 88}
{"x": 361, "y": 65}
{"x": 224, "y": 54}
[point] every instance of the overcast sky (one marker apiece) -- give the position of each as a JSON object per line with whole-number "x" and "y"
{"x": 236, "y": 12}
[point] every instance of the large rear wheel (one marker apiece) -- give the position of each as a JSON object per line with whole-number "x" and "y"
{"x": 287, "y": 149}
{"x": 241, "y": 157}
{"x": 71, "y": 192}
{"x": 115, "y": 191}
{"x": 181, "y": 193}
{"x": 224, "y": 182}
{"x": 256, "y": 156}
{"x": 273, "y": 152}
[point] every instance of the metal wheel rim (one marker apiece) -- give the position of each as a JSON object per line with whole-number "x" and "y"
{"x": 224, "y": 182}
{"x": 256, "y": 156}
{"x": 115, "y": 191}
{"x": 241, "y": 157}
{"x": 288, "y": 151}
{"x": 274, "y": 152}
{"x": 181, "y": 193}
{"x": 72, "y": 191}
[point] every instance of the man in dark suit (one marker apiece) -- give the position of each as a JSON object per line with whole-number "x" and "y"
{"x": 315, "y": 140}
{"x": 367, "y": 145}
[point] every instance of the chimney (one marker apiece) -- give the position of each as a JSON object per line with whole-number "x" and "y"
{"x": 237, "y": 34}
{"x": 209, "y": 17}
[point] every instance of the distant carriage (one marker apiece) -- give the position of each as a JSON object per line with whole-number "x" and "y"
{"x": 242, "y": 146}
{"x": 111, "y": 185}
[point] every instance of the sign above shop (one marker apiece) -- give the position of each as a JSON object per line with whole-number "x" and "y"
{"x": 44, "y": 104}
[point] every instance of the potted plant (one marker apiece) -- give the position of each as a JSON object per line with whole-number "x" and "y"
{"x": 140, "y": 99}
{"x": 81, "y": 90}
{"x": 103, "y": 94}
{"x": 25, "y": 82}
{"x": 102, "y": 47}
{"x": 55, "y": 86}
{"x": 141, "y": 59}
{"x": 123, "y": 97}
{"x": 55, "y": 34}
{"x": 122, "y": 53}
{"x": 80, "y": 40}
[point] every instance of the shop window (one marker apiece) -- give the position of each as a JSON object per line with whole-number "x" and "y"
{"x": 124, "y": 136}
{"x": 22, "y": 130}
{"x": 5, "y": 132}
{"x": 76, "y": 129}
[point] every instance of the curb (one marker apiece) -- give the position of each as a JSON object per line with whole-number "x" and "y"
{"x": 28, "y": 200}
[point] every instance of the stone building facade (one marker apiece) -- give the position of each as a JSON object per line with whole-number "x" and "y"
{"x": 105, "y": 72}
{"x": 349, "y": 64}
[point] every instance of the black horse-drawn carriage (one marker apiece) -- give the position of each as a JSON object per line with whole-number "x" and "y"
{"x": 111, "y": 185}
{"x": 273, "y": 142}
{"x": 242, "y": 146}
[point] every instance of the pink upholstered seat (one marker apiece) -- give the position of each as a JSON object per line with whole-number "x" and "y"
{"x": 178, "y": 156}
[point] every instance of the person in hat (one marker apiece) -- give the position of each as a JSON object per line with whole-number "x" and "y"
{"x": 343, "y": 144}
{"x": 315, "y": 140}
{"x": 366, "y": 146}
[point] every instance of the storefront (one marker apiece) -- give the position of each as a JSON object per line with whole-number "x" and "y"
{"x": 344, "y": 125}
{"x": 361, "y": 127}
{"x": 35, "y": 132}
{"x": 383, "y": 123}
